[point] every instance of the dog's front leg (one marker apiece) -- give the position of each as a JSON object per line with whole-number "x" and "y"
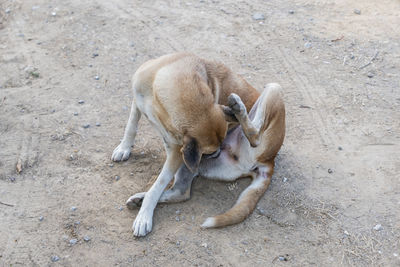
{"x": 180, "y": 191}
{"x": 123, "y": 150}
{"x": 144, "y": 220}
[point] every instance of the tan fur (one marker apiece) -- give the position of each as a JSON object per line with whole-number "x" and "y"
{"x": 186, "y": 90}
{"x": 247, "y": 200}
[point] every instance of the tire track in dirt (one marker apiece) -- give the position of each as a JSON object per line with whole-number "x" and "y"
{"x": 127, "y": 13}
{"x": 305, "y": 84}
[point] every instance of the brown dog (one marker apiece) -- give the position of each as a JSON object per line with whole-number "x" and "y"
{"x": 183, "y": 97}
{"x": 248, "y": 150}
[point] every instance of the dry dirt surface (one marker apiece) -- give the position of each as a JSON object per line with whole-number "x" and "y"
{"x": 335, "y": 196}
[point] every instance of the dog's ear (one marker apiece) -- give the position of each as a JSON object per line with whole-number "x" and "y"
{"x": 191, "y": 153}
{"x": 229, "y": 115}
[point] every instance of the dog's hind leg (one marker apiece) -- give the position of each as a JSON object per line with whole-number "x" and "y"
{"x": 254, "y": 127}
{"x": 247, "y": 201}
{"x": 180, "y": 190}
{"x": 123, "y": 150}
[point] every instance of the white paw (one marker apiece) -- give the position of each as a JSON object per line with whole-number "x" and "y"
{"x": 121, "y": 152}
{"x": 236, "y": 104}
{"x": 142, "y": 224}
{"x": 135, "y": 200}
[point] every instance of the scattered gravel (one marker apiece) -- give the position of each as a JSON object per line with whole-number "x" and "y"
{"x": 73, "y": 208}
{"x": 86, "y": 238}
{"x": 378, "y": 227}
{"x": 86, "y": 126}
{"x": 75, "y": 113}
{"x": 95, "y": 55}
{"x": 177, "y": 212}
{"x": 117, "y": 178}
{"x": 330, "y": 171}
{"x": 73, "y": 241}
{"x": 98, "y": 124}
{"x": 370, "y": 75}
{"x": 357, "y": 11}
{"x": 96, "y": 77}
{"x": 41, "y": 218}
{"x": 81, "y": 101}
{"x": 291, "y": 11}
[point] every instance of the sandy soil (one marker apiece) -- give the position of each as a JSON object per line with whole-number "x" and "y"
{"x": 337, "y": 175}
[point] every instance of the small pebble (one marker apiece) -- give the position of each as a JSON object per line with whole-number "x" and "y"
{"x": 357, "y": 11}
{"x": 86, "y": 238}
{"x": 86, "y": 126}
{"x": 90, "y": 65}
{"x": 378, "y": 227}
{"x": 177, "y": 218}
{"x": 330, "y": 171}
{"x": 340, "y": 148}
{"x": 281, "y": 258}
{"x": 204, "y": 245}
{"x": 260, "y": 211}
{"x": 98, "y": 124}
{"x": 284, "y": 179}
{"x": 95, "y": 55}
{"x": 12, "y": 179}
{"x": 346, "y": 233}
{"x": 178, "y": 243}
{"x": 41, "y": 218}
{"x": 111, "y": 165}
{"x": 307, "y": 45}
{"x": 55, "y": 258}
{"x": 395, "y": 254}
{"x": 81, "y": 101}
{"x": 291, "y": 11}
{"x": 73, "y": 208}
{"x": 77, "y": 223}
{"x": 96, "y": 77}
{"x": 370, "y": 75}
{"x": 75, "y": 113}
{"x": 131, "y": 173}
{"x": 73, "y": 241}
{"x": 121, "y": 208}
{"x": 8, "y": 10}
{"x": 177, "y": 212}
{"x": 117, "y": 178}
{"x": 258, "y": 16}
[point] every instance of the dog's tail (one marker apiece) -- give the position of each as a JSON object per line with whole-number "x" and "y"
{"x": 247, "y": 201}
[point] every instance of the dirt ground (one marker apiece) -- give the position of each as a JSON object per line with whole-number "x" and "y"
{"x": 335, "y": 195}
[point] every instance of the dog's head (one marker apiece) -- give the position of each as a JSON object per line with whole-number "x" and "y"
{"x": 205, "y": 137}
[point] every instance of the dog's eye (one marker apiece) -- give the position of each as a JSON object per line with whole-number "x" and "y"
{"x": 212, "y": 155}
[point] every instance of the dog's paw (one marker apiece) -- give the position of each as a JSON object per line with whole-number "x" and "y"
{"x": 236, "y": 105}
{"x": 135, "y": 201}
{"x": 121, "y": 152}
{"x": 142, "y": 224}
